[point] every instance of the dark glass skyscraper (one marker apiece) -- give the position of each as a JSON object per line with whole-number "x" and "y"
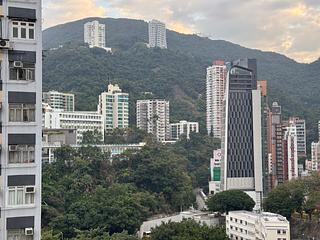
{"x": 241, "y": 143}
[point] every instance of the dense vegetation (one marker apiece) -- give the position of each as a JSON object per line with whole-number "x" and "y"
{"x": 230, "y": 200}
{"x": 177, "y": 74}
{"x": 85, "y": 194}
{"x": 188, "y": 229}
{"x": 297, "y": 196}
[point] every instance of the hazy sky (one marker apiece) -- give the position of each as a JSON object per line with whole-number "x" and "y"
{"x": 291, "y": 27}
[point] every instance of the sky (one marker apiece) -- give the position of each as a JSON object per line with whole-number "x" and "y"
{"x": 290, "y": 27}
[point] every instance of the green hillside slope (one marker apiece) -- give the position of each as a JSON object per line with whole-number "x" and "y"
{"x": 177, "y": 74}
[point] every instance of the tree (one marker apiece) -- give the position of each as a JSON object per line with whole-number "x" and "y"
{"x": 92, "y": 137}
{"x": 187, "y": 229}
{"x": 230, "y": 200}
{"x": 285, "y": 199}
{"x": 312, "y": 203}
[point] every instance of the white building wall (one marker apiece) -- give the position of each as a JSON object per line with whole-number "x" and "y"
{"x": 215, "y": 89}
{"x": 292, "y": 150}
{"x": 95, "y": 34}
{"x": 81, "y": 121}
{"x": 17, "y": 46}
{"x": 253, "y": 226}
{"x": 157, "y": 34}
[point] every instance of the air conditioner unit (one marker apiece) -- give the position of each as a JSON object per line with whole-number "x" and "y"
{"x": 17, "y": 64}
{"x": 4, "y": 43}
{"x": 13, "y": 148}
{"x": 31, "y": 189}
{"x": 28, "y": 231}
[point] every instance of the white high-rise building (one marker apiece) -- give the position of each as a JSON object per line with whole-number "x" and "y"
{"x": 114, "y": 107}
{"x": 216, "y": 81}
{"x": 315, "y": 156}
{"x": 59, "y": 100}
{"x": 290, "y": 145}
{"x": 301, "y": 135}
{"x": 253, "y": 226}
{"x": 153, "y": 117}
{"x": 157, "y": 34}
{"x": 183, "y": 128}
{"x": 95, "y": 34}
{"x": 20, "y": 129}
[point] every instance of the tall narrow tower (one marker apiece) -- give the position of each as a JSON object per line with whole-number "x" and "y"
{"x": 216, "y": 81}
{"x": 241, "y": 142}
{"x": 21, "y": 117}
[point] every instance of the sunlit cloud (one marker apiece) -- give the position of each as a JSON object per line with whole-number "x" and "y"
{"x": 290, "y": 27}
{"x": 62, "y": 11}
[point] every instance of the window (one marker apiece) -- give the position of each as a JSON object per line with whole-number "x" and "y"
{"x": 24, "y": 73}
{"x": 22, "y": 113}
{"x": 23, "y": 30}
{"x": 18, "y": 234}
{"x": 18, "y": 196}
{"x": 19, "y": 154}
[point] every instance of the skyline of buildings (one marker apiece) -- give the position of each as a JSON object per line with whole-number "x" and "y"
{"x": 21, "y": 97}
{"x": 157, "y": 34}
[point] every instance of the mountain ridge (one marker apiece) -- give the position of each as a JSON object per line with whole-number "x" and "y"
{"x": 294, "y": 85}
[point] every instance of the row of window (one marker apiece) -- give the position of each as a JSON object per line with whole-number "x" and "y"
{"x": 19, "y": 196}
{"x": 21, "y": 30}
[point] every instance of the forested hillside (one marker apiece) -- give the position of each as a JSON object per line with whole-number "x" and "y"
{"x": 177, "y": 74}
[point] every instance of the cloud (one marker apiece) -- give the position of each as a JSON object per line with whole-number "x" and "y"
{"x": 291, "y": 27}
{"x": 61, "y": 11}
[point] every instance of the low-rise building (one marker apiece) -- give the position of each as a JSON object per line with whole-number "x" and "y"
{"x": 245, "y": 225}
{"x": 201, "y": 217}
{"x": 55, "y": 138}
{"x": 113, "y": 149}
{"x": 80, "y": 120}
{"x": 183, "y": 128}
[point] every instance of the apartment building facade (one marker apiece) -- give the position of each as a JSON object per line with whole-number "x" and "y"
{"x": 153, "y": 117}
{"x": 157, "y": 34}
{"x": 245, "y": 225}
{"x": 215, "y": 89}
{"x": 183, "y": 128}
{"x": 95, "y": 34}
{"x": 114, "y": 108}
{"x": 59, "y": 100}
{"x": 21, "y": 94}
